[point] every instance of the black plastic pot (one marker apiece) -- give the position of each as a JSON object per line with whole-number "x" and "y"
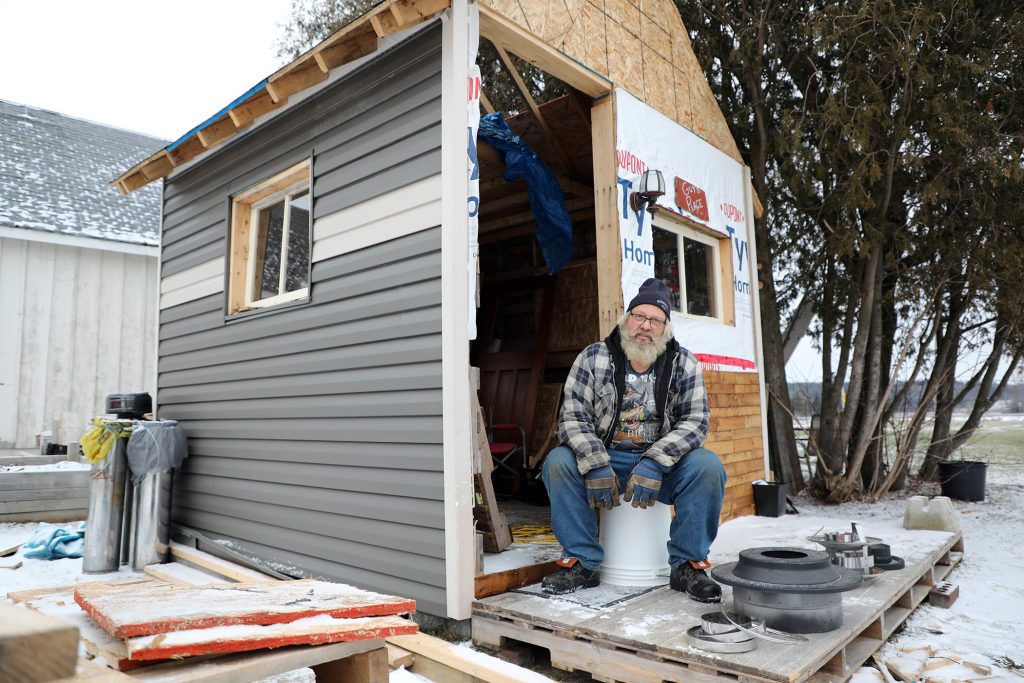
{"x": 963, "y": 479}
{"x": 770, "y": 498}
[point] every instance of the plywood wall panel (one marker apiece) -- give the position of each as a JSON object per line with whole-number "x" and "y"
{"x": 595, "y": 31}
{"x": 626, "y": 14}
{"x": 614, "y": 38}
{"x": 656, "y": 38}
{"x": 659, "y": 83}
{"x": 625, "y": 62}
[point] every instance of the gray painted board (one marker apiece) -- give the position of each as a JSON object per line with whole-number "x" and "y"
{"x": 315, "y": 430}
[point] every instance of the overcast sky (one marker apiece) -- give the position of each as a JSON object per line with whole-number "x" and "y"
{"x": 149, "y": 66}
{"x": 154, "y": 67}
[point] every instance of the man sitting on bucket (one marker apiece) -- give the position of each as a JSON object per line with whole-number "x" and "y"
{"x": 634, "y": 416}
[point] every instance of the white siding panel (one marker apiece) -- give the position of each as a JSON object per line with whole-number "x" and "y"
{"x": 75, "y": 324}
{"x": 62, "y": 338}
{"x": 195, "y": 283}
{"x": 88, "y": 313}
{"x": 35, "y": 339}
{"x": 12, "y": 311}
{"x": 398, "y": 213}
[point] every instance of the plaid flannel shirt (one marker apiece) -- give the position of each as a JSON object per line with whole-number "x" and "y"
{"x": 590, "y": 404}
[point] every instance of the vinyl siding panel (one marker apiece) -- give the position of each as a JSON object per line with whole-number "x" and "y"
{"x": 315, "y": 430}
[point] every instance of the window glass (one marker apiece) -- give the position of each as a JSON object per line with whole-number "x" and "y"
{"x": 297, "y": 276}
{"x": 700, "y": 283}
{"x": 268, "y": 251}
{"x": 685, "y": 260}
{"x": 666, "y": 264}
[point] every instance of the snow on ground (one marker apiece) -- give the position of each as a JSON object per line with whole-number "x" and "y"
{"x": 984, "y": 625}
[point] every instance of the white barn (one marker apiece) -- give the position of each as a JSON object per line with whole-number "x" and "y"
{"x": 78, "y": 273}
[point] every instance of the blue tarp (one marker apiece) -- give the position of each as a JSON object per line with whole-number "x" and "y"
{"x": 51, "y": 542}
{"x": 554, "y": 226}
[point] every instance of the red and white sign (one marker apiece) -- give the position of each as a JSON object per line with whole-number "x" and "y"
{"x": 692, "y": 199}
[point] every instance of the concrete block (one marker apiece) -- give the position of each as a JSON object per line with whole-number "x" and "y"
{"x": 936, "y": 514}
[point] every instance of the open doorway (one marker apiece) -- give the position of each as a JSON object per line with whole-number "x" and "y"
{"x": 531, "y": 323}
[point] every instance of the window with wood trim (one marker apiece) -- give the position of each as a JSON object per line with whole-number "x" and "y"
{"x": 271, "y": 241}
{"x": 694, "y": 264}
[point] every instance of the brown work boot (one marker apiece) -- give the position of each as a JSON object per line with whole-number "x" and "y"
{"x": 689, "y": 578}
{"x": 570, "y": 576}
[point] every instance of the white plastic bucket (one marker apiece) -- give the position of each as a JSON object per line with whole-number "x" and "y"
{"x": 635, "y": 545}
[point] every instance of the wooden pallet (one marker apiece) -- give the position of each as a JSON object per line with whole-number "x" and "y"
{"x": 642, "y": 640}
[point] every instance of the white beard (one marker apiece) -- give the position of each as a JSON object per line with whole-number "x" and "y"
{"x": 642, "y": 353}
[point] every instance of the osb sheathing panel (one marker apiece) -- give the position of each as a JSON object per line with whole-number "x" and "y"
{"x": 574, "y": 318}
{"x": 735, "y": 435}
{"x": 641, "y": 45}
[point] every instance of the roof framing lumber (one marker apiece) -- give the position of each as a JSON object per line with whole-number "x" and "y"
{"x": 299, "y": 79}
{"x": 507, "y": 35}
{"x": 563, "y": 160}
{"x": 254, "y": 107}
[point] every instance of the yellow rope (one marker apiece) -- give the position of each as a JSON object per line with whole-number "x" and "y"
{"x": 532, "y": 534}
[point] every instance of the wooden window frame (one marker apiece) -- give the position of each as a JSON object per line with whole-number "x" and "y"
{"x": 245, "y": 207}
{"x": 682, "y": 227}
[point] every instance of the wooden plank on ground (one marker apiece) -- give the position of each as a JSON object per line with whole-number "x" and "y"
{"x": 182, "y": 574}
{"x": 92, "y": 671}
{"x": 241, "y": 638}
{"x": 217, "y": 565}
{"x": 162, "y": 609}
{"x": 34, "y": 646}
{"x": 246, "y": 667}
{"x": 465, "y": 660}
{"x": 487, "y": 585}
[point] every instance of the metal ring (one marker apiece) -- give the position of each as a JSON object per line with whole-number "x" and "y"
{"x": 714, "y": 623}
{"x": 790, "y": 638}
{"x": 702, "y": 641}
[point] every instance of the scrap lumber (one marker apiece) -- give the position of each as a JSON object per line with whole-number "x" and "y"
{"x": 35, "y": 647}
{"x": 241, "y": 638}
{"x": 399, "y": 657}
{"x": 182, "y": 574}
{"x": 462, "y": 659}
{"x": 161, "y": 609}
{"x": 215, "y": 564}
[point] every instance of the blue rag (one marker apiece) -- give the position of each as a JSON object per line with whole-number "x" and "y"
{"x": 51, "y": 542}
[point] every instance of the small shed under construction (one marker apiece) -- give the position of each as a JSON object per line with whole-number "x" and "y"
{"x": 346, "y": 293}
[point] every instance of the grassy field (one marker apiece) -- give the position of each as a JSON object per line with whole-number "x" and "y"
{"x": 999, "y": 441}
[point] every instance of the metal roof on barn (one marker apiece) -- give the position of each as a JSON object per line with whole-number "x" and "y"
{"x": 55, "y": 172}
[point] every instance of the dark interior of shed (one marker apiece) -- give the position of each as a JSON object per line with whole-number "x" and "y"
{"x": 531, "y": 324}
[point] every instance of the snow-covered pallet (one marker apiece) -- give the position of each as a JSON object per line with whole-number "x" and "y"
{"x": 642, "y": 639}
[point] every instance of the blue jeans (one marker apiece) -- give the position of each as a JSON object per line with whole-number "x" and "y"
{"x": 695, "y": 486}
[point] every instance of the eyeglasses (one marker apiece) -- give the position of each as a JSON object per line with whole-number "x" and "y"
{"x": 640, "y": 319}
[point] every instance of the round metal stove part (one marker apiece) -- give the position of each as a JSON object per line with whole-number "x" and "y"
{"x": 793, "y": 589}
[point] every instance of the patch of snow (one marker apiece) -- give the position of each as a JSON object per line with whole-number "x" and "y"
{"x": 63, "y": 466}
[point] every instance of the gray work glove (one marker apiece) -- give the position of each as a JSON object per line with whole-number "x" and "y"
{"x": 644, "y": 484}
{"x": 602, "y": 487}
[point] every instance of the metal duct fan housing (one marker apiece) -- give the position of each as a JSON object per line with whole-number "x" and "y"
{"x": 793, "y": 589}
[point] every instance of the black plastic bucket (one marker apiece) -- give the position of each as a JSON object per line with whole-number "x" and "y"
{"x": 963, "y": 479}
{"x": 770, "y": 498}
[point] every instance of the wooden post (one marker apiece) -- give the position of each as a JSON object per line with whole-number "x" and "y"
{"x": 606, "y": 217}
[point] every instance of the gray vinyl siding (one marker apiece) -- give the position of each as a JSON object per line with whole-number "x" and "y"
{"x": 315, "y": 430}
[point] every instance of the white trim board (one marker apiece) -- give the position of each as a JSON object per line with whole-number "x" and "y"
{"x": 395, "y": 214}
{"x": 65, "y": 240}
{"x": 460, "y": 562}
{"x": 193, "y": 283}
